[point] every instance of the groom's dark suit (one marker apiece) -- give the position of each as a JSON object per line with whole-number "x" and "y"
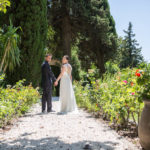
{"x": 47, "y": 80}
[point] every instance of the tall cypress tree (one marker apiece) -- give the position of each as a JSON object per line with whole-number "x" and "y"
{"x": 100, "y": 39}
{"x": 131, "y": 56}
{"x": 31, "y": 16}
{"x": 67, "y": 18}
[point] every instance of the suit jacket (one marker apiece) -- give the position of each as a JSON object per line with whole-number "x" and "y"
{"x": 47, "y": 76}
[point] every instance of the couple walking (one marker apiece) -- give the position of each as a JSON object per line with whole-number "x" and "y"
{"x": 67, "y": 97}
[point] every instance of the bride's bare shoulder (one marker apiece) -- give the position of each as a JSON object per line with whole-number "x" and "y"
{"x": 69, "y": 65}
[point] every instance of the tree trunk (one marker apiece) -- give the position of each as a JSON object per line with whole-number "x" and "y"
{"x": 100, "y": 61}
{"x": 66, "y": 36}
{"x": 5, "y": 68}
{"x": 4, "y": 57}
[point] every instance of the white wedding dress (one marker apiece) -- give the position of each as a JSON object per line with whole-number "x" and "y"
{"x": 67, "y": 97}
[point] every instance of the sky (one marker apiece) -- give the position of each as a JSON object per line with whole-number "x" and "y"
{"x": 138, "y": 12}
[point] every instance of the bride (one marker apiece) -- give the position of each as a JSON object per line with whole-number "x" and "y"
{"x": 67, "y": 97}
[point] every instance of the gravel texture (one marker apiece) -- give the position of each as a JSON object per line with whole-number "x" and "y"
{"x": 54, "y": 131}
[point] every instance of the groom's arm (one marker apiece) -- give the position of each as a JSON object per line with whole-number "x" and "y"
{"x": 45, "y": 75}
{"x": 51, "y": 74}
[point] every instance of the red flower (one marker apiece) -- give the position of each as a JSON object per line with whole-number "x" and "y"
{"x": 138, "y": 74}
{"x": 132, "y": 93}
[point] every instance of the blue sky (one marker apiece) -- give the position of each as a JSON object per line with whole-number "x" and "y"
{"x": 138, "y": 12}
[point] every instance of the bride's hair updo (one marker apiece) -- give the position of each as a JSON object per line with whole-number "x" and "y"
{"x": 67, "y": 57}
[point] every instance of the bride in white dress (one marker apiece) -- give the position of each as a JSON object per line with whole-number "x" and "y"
{"x": 67, "y": 97}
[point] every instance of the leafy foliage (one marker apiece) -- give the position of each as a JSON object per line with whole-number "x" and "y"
{"x": 111, "y": 68}
{"x": 51, "y": 41}
{"x": 15, "y": 101}
{"x": 4, "y": 4}
{"x": 76, "y": 64}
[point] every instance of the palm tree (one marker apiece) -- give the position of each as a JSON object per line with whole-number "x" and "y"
{"x": 9, "y": 51}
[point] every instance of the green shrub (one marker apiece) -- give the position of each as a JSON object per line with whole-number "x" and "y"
{"x": 15, "y": 101}
{"x": 76, "y": 64}
{"x": 111, "y": 67}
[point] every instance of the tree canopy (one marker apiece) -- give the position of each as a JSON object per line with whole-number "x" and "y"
{"x": 89, "y": 21}
{"x": 84, "y": 30}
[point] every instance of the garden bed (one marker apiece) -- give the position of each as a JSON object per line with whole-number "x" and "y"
{"x": 114, "y": 98}
{"x": 15, "y": 101}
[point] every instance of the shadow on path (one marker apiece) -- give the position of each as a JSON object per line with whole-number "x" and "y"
{"x": 52, "y": 143}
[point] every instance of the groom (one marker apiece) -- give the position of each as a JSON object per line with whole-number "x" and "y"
{"x": 47, "y": 80}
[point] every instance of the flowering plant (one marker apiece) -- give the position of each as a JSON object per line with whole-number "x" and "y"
{"x": 115, "y": 97}
{"x": 143, "y": 79}
{"x": 138, "y": 73}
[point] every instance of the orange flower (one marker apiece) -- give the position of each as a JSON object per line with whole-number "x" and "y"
{"x": 132, "y": 83}
{"x": 96, "y": 105}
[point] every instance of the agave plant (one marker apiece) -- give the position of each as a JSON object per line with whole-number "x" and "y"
{"x": 9, "y": 51}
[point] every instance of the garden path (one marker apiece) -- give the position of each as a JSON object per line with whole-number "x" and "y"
{"x": 52, "y": 131}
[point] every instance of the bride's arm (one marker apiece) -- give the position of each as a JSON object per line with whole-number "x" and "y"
{"x": 61, "y": 74}
{"x": 71, "y": 77}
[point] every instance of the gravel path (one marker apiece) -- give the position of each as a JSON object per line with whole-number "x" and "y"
{"x": 53, "y": 131}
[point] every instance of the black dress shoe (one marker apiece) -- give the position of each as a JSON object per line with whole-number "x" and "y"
{"x": 43, "y": 111}
{"x": 50, "y": 111}
{"x": 87, "y": 147}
